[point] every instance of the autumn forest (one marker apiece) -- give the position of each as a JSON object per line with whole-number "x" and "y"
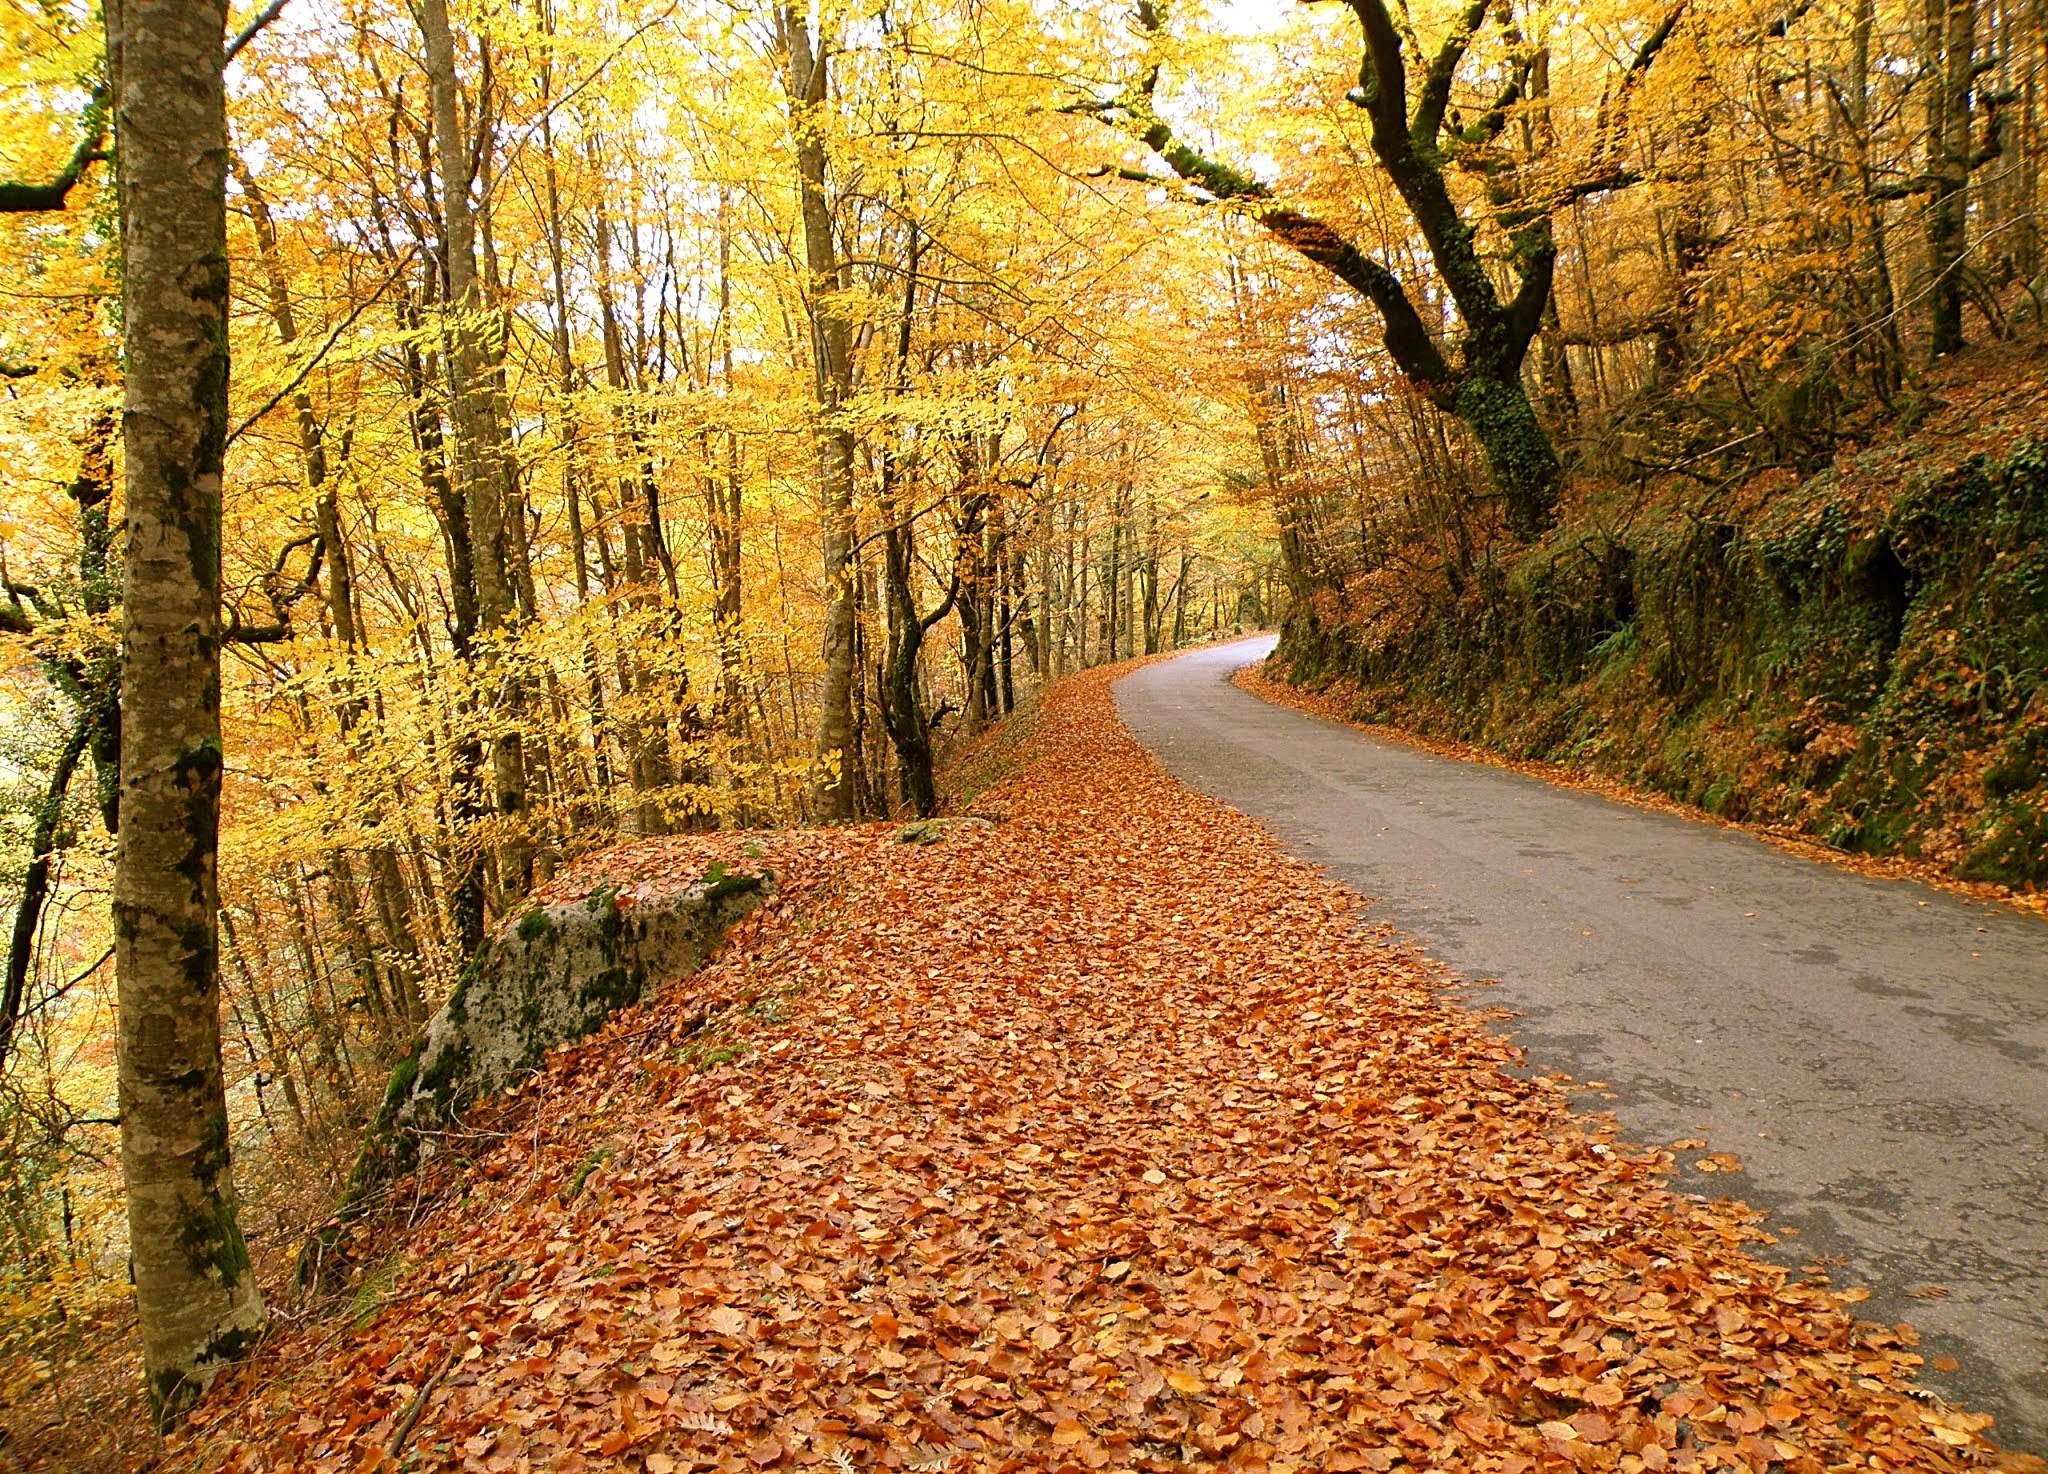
{"x": 502, "y": 497}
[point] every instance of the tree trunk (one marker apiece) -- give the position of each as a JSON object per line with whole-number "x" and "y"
{"x": 1180, "y": 602}
{"x": 722, "y": 509}
{"x": 464, "y": 867}
{"x": 1006, "y": 614}
{"x": 1478, "y": 380}
{"x": 477, "y": 440}
{"x": 1951, "y": 45}
{"x": 1520, "y": 460}
{"x": 903, "y": 713}
{"x": 832, "y": 775}
{"x": 196, "y": 1299}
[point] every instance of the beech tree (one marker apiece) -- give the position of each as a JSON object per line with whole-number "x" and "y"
{"x": 195, "y": 1297}
{"x": 805, "y": 63}
{"x": 1473, "y": 371}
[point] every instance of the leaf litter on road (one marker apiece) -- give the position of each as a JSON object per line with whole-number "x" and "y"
{"x": 1102, "y": 1137}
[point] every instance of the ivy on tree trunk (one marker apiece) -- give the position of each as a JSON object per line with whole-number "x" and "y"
{"x": 1476, "y": 375}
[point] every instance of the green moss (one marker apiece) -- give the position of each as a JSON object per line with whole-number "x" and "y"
{"x": 231, "y": 1251}
{"x": 534, "y": 925}
{"x": 212, "y": 1240}
{"x": 584, "y": 1169}
{"x": 1848, "y": 658}
{"x": 172, "y": 1394}
{"x": 720, "y": 882}
{"x": 2013, "y": 852}
{"x": 370, "y": 1294}
{"x": 403, "y": 1074}
{"x": 445, "y": 1080}
{"x": 610, "y": 990}
{"x": 458, "y": 999}
{"x": 2021, "y": 762}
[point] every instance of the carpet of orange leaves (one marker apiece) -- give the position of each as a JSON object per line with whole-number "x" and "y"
{"x": 1101, "y": 1137}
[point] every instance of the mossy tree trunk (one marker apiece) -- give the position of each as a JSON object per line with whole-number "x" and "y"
{"x": 196, "y": 1299}
{"x": 1474, "y": 374}
{"x": 1951, "y": 76}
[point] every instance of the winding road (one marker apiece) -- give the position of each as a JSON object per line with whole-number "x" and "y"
{"x": 1875, "y": 1052}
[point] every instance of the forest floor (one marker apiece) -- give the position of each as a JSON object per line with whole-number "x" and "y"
{"x": 1102, "y": 1135}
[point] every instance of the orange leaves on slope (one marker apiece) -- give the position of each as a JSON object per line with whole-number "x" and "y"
{"x": 1100, "y": 1138}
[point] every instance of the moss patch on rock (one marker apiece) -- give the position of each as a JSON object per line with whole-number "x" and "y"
{"x": 550, "y": 977}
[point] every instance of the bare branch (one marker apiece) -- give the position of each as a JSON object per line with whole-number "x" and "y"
{"x": 1436, "y": 85}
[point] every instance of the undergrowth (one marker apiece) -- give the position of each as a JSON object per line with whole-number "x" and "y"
{"x": 1871, "y": 669}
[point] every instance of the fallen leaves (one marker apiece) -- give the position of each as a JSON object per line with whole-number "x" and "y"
{"x": 1105, "y": 1137}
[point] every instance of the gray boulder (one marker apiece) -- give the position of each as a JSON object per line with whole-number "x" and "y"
{"x": 551, "y": 976}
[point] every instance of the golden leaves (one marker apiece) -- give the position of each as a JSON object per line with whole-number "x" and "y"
{"x": 1104, "y": 1142}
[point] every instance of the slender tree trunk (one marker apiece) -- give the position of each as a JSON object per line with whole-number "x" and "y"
{"x": 477, "y": 440}
{"x": 722, "y": 508}
{"x": 832, "y": 776}
{"x": 1180, "y": 602}
{"x": 275, "y": 1054}
{"x": 196, "y": 1299}
{"x": 35, "y": 883}
{"x": 340, "y": 591}
{"x": 1888, "y": 354}
{"x": 463, "y": 864}
{"x": 1951, "y": 44}
{"x": 903, "y": 710}
{"x": 973, "y": 644}
{"x": 1112, "y": 579}
{"x": 1006, "y": 663}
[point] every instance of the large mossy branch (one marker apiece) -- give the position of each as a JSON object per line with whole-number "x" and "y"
{"x": 17, "y": 198}
{"x": 1407, "y": 338}
{"x": 1479, "y": 379}
{"x": 1435, "y": 96}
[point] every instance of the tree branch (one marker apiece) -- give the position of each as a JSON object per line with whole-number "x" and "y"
{"x": 248, "y": 33}
{"x": 1382, "y": 75}
{"x": 1406, "y": 336}
{"x": 1436, "y": 85}
{"x": 1532, "y": 291}
{"x": 23, "y": 199}
{"x": 35, "y": 885}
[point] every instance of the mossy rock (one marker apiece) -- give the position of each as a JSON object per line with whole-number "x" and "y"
{"x": 933, "y": 831}
{"x": 552, "y": 975}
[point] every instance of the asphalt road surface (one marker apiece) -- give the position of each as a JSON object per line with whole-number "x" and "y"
{"x": 1874, "y": 1051}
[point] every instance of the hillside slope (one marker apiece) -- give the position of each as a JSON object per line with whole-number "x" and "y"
{"x": 1100, "y": 1136}
{"x": 1857, "y": 652}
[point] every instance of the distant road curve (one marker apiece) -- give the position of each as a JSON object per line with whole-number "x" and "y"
{"x": 1875, "y": 1051}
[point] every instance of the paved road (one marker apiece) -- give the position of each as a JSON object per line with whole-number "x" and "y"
{"x": 1875, "y": 1052}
